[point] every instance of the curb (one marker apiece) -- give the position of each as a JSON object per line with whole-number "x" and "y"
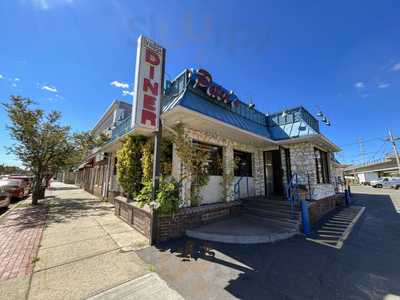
{"x": 9, "y": 210}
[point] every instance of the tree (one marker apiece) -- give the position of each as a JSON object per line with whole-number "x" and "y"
{"x": 129, "y": 165}
{"x": 42, "y": 144}
{"x": 10, "y": 170}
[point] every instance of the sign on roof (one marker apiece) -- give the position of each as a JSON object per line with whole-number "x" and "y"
{"x": 148, "y": 84}
{"x": 201, "y": 79}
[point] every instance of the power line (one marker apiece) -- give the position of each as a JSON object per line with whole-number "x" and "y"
{"x": 364, "y": 141}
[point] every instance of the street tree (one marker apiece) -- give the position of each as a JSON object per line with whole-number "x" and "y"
{"x": 42, "y": 144}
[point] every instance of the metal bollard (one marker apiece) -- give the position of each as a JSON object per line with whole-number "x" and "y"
{"x": 346, "y": 198}
{"x": 305, "y": 217}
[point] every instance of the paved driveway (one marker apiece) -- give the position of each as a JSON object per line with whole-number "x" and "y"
{"x": 366, "y": 267}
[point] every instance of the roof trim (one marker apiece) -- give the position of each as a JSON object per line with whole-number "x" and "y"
{"x": 164, "y": 115}
{"x": 312, "y": 137}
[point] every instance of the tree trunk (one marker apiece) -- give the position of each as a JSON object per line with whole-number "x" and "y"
{"x": 38, "y": 191}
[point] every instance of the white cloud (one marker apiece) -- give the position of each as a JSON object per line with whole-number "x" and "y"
{"x": 383, "y": 85}
{"x": 359, "y": 85}
{"x": 48, "y": 4}
{"x": 49, "y": 88}
{"x": 14, "y": 85}
{"x": 16, "y": 79}
{"x": 120, "y": 84}
{"x": 126, "y": 93}
{"x": 396, "y": 67}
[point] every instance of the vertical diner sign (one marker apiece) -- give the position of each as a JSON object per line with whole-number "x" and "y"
{"x": 148, "y": 85}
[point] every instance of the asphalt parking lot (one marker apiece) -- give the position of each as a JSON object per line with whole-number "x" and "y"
{"x": 367, "y": 266}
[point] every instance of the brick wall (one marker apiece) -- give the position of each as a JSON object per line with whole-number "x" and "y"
{"x": 138, "y": 218}
{"x": 318, "y": 209}
{"x": 174, "y": 226}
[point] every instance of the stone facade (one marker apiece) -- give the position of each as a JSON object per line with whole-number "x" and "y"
{"x": 303, "y": 164}
{"x": 174, "y": 226}
{"x": 228, "y": 147}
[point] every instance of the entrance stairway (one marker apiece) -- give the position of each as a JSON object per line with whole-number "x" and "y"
{"x": 272, "y": 211}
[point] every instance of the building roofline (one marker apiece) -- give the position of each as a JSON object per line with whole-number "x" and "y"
{"x": 311, "y": 138}
{"x": 107, "y": 111}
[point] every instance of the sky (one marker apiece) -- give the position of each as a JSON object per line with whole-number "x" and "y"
{"x": 341, "y": 57}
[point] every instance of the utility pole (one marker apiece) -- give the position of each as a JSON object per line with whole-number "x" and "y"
{"x": 393, "y": 140}
{"x": 362, "y": 153}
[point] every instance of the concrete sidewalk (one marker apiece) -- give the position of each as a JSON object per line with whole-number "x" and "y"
{"x": 85, "y": 251}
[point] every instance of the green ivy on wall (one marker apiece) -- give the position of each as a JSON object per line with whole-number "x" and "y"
{"x": 194, "y": 161}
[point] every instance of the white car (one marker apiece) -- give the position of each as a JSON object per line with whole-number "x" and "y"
{"x": 380, "y": 183}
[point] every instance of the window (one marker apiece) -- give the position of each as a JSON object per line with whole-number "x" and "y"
{"x": 214, "y": 163}
{"x": 321, "y": 166}
{"x": 244, "y": 164}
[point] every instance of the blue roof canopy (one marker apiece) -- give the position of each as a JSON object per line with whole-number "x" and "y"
{"x": 294, "y": 123}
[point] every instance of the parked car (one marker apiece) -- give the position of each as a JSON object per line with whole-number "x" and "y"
{"x": 16, "y": 188}
{"x": 4, "y": 198}
{"x": 381, "y": 182}
{"x": 28, "y": 181}
{"x": 395, "y": 183}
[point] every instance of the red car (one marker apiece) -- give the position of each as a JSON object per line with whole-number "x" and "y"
{"x": 16, "y": 188}
{"x": 28, "y": 181}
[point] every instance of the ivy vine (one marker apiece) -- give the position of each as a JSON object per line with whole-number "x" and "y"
{"x": 194, "y": 161}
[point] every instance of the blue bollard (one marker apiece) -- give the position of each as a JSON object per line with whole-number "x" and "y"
{"x": 346, "y": 198}
{"x": 305, "y": 217}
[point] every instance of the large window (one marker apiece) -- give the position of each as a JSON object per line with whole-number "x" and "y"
{"x": 244, "y": 164}
{"x": 214, "y": 163}
{"x": 322, "y": 166}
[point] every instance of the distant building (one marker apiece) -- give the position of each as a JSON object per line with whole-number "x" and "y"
{"x": 364, "y": 173}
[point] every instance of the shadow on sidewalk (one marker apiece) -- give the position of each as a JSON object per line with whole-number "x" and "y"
{"x": 367, "y": 267}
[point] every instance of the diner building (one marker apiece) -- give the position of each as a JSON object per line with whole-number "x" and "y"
{"x": 273, "y": 150}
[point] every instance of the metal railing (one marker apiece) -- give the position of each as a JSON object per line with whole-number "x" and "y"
{"x": 236, "y": 188}
{"x": 292, "y": 194}
{"x": 121, "y": 129}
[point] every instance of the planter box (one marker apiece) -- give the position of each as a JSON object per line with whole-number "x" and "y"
{"x": 137, "y": 217}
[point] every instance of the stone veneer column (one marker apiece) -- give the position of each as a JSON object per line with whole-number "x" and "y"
{"x": 303, "y": 163}
{"x": 258, "y": 173}
{"x": 229, "y": 169}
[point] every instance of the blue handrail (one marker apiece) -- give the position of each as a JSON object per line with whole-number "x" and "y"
{"x": 292, "y": 193}
{"x": 236, "y": 188}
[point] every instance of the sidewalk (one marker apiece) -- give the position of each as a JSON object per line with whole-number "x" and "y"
{"x": 85, "y": 251}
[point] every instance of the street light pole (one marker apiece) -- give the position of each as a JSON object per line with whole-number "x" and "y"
{"x": 396, "y": 153}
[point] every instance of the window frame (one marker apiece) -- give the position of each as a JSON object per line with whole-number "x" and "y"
{"x": 239, "y": 171}
{"x": 214, "y": 167}
{"x": 322, "y": 166}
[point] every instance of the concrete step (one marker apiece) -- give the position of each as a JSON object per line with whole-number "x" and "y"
{"x": 272, "y": 207}
{"x": 269, "y": 203}
{"x": 270, "y": 213}
{"x": 278, "y": 223}
{"x": 241, "y": 230}
{"x": 261, "y": 211}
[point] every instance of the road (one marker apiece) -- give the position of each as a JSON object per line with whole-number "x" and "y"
{"x": 367, "y": 266}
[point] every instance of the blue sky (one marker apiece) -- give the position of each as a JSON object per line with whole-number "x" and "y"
{"x": 76, "y": 56}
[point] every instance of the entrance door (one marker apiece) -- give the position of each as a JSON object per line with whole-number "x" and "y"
{"x": 273, "y": 173}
